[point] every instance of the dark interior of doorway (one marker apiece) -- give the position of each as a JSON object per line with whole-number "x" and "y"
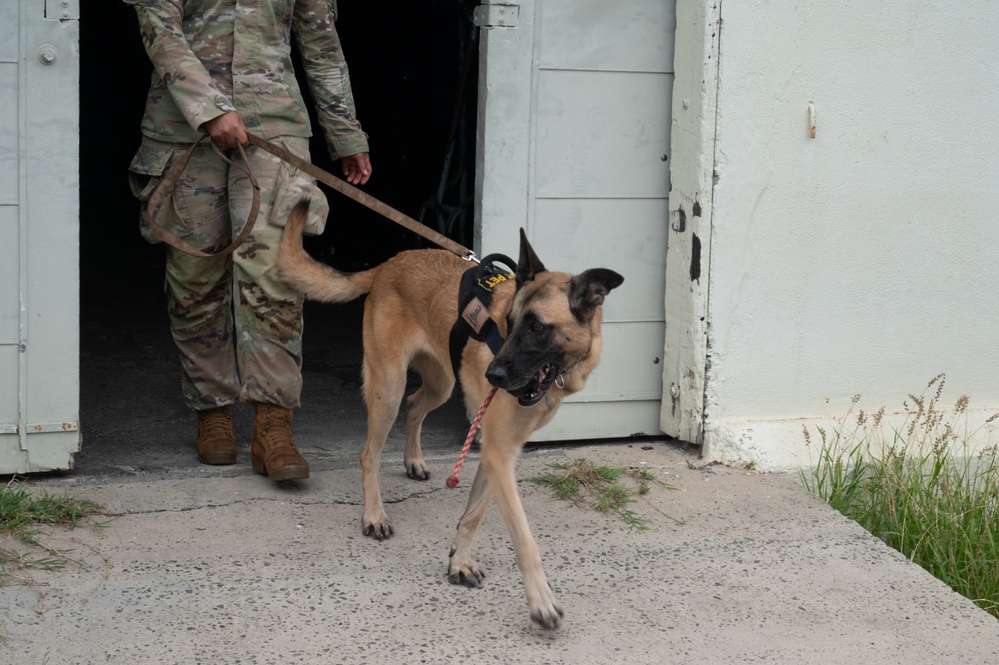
{"x": 406, "y": 60}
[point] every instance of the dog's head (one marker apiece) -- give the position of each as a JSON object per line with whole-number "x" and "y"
{"x": 551, "y": 327}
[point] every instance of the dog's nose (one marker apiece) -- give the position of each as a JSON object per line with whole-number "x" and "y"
{"x": 496, "y": 374}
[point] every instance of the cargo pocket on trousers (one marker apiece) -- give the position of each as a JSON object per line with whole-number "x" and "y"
{"x": 290, "y": 187}
{"x": 144, "y": 174}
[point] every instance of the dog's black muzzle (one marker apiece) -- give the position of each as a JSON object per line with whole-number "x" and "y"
{"x": 530, "y": 389}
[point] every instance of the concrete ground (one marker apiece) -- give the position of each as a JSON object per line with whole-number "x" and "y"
{"x": 738, "y": 567}
{"x": 201, "y": 564}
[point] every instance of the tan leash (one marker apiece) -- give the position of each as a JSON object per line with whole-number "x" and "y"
{"x": 168, "y": 183}
{"x": 364, "y": 199}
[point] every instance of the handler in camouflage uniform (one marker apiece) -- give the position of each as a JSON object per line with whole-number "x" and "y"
{"x": 223, "y": 70}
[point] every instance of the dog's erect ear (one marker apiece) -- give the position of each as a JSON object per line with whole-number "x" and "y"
{"x": 587, "y": 289}
{"x": 529, "y": 264}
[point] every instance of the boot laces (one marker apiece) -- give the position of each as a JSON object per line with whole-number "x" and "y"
{"x": 277, "y": 428}
{"x": 215, "y": 423}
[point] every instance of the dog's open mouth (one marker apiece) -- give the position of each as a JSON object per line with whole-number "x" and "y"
{"x": 532, "y": 392}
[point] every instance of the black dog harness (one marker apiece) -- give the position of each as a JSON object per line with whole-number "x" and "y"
{"x": 474, "y": 296}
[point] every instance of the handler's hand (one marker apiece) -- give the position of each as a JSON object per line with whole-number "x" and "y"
{"x": 357, "y": 168}
{"x": 227, "y": 130}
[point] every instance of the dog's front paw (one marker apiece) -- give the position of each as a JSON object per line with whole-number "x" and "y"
{"x": 549, "y": 617}
{"x": 378, "y": 528}
{"x": 466, "y": 572}
{"x": 545, "y": 611}
{"x": 417, "y": 470}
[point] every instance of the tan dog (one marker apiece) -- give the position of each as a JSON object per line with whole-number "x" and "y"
{"x": 551, "y": 324}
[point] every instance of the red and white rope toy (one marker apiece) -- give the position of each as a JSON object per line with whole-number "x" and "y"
{"x": 452, "y": 480}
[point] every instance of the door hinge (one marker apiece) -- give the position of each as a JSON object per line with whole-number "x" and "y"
{"x": 62, "y": 10}
{"x": 496, "y": 16}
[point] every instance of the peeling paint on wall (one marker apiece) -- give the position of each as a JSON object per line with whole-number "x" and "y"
{"x": 695, "y": 259}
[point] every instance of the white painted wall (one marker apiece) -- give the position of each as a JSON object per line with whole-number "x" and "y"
{"x": 863, "y": 260}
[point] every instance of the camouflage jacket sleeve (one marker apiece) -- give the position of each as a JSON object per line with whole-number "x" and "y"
{"x": 195, "y": 93}
{"x": 326, "y": 73}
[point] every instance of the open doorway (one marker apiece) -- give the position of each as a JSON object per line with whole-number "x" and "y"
{"x": 407, "y": 62}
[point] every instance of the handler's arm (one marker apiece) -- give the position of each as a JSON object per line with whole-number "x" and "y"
{"x": 190, "y": 85}
{"x": 326, "y": 73}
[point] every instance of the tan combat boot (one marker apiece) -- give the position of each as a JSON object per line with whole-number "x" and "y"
{"x": 273, "y": 451}
{"x": 216, "y": 442}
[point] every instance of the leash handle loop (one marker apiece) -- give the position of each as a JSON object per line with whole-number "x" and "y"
{"x": 166, "y": 188}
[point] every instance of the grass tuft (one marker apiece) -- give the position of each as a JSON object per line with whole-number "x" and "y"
{"x": 21, "y": 513}
{"x": 918, "y": 487}
{"x": 586, "y": 484}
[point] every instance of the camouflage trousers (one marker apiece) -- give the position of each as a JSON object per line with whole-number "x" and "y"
{"x": 237, "y": 325}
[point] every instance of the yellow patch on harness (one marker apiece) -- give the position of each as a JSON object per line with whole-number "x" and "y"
{"x": 489, "y": 283}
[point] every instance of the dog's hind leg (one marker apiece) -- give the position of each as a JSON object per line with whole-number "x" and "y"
{"x": 461, "y": 569}
{"x": 499, "y": 460}
{"x": 437, "y": 386}
{"x": 384, "y": 387}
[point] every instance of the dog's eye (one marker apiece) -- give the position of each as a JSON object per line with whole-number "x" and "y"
{"x": 535, "y": 327}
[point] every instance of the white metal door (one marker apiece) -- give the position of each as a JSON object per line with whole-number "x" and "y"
{"x": 39, "y": 211}
{"x": 574, "y": 122}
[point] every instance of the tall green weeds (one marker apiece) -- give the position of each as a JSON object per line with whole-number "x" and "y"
{"x": 918, "y": 487}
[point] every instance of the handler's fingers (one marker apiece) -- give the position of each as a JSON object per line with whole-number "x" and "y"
{"x": 228, "y": 130}
{"x": 357, "y": 168}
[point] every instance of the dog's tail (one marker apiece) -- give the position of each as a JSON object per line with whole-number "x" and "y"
{"x": 314, "y": 279}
